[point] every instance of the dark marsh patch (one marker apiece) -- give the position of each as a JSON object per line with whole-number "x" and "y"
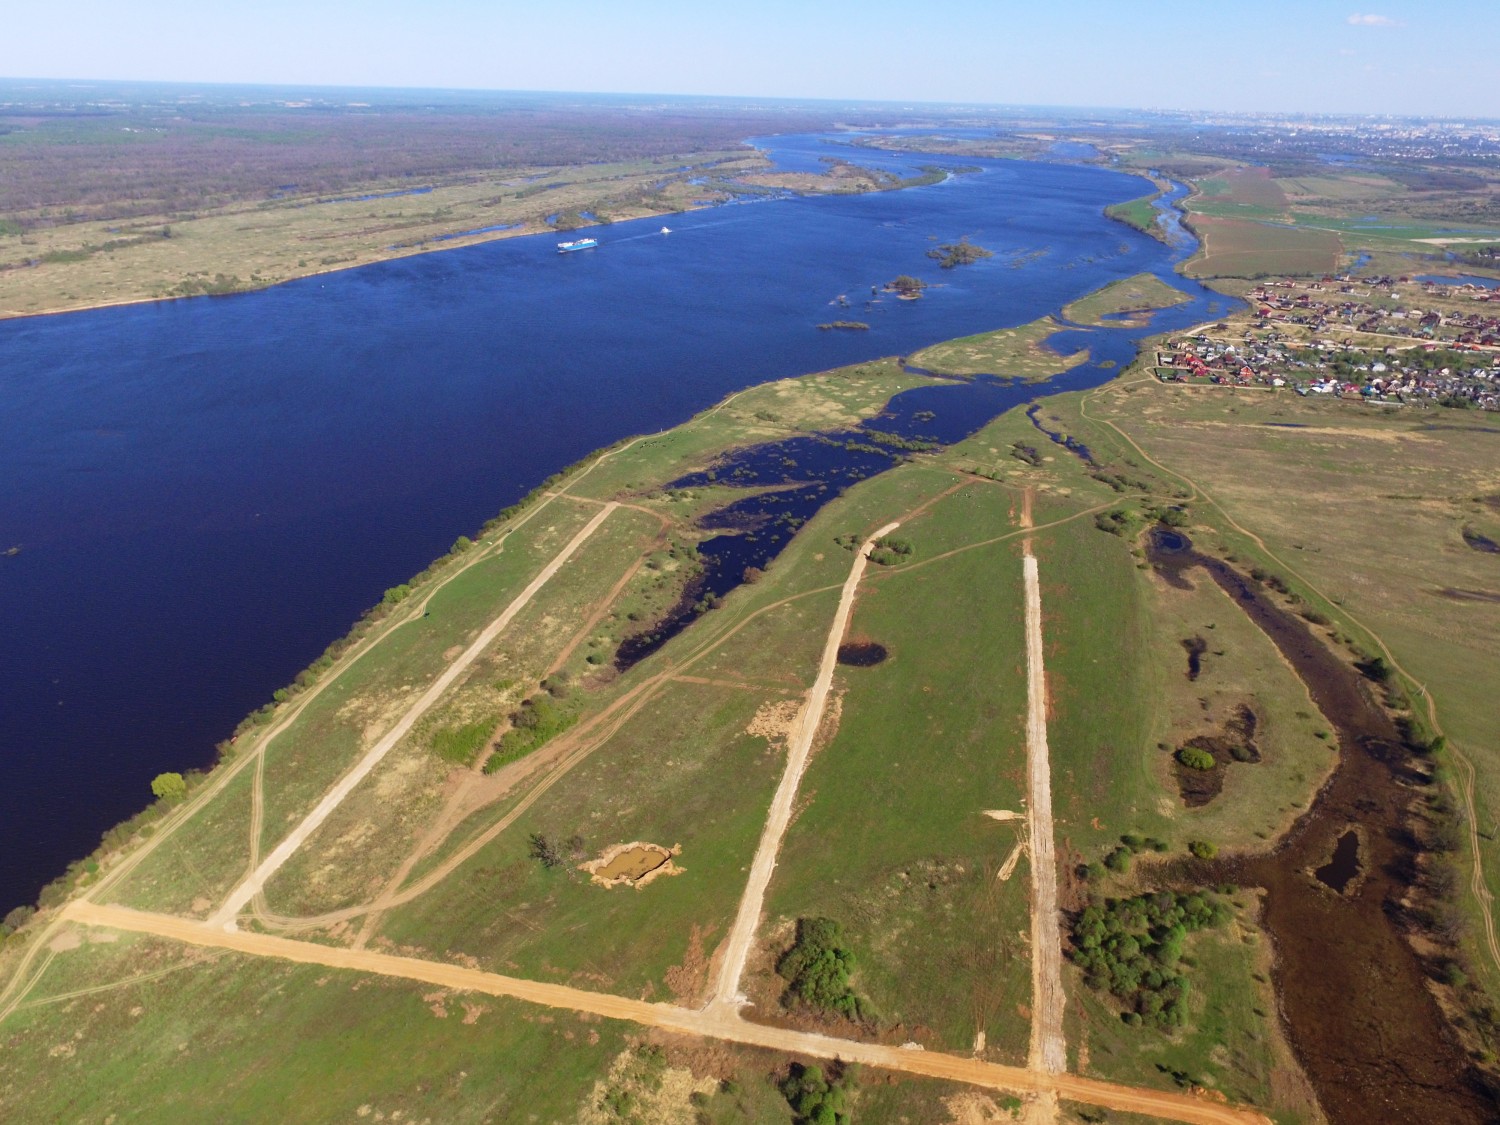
{"x": 1481, "y": 542}
{"x": 862, "y": 654}
{"x": 1341, "y": 869}
{"x": 1454, "y": 594}
{"x": 1352, "y": 990}
{"x": 1233, "y": 742}
{"x": 1196, "y": 647}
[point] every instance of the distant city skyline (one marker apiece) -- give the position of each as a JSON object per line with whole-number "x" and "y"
{"x": 1397, "y": 57}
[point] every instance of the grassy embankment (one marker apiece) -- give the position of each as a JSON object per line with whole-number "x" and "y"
{"x": 1140, "y": 213}
{"x": 1014, "y": 353}
{"x": 1129, "y": 302}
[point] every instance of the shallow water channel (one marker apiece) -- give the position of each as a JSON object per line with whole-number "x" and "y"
{"x": 1352, "y": 990}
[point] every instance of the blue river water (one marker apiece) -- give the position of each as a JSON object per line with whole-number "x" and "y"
{"x": 206, "y": 492}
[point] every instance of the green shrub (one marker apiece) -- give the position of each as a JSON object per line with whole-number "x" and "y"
{"x": 1132, "y": 948}
{"x": 1195, "y": 759}
{"x": 461, "y": 744}
{"x": 814, "y": 1099}
{"x": 1203, "y": 849}
{"x": 169, "y": 787}
{"x": 16, "y": 919}
{"x": 817, "y": 969}
{"x": 537, "y": 721}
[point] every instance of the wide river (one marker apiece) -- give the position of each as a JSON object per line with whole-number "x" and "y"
{"x": 206, "y": 492}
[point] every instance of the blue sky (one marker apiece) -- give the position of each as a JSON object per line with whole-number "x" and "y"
{"x": 1363, "y": 56}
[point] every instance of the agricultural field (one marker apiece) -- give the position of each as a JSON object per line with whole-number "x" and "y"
{"x": 1254, "y": 222}
{"x": 1235, "y": 247}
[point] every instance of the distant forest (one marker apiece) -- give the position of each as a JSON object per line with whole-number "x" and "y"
{"x": 105, "y": 160}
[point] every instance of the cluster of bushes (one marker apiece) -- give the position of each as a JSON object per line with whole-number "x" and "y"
{"x": 643, "y": 1073}
{"x": 1267, "y": 578}
{"x": 888, "y": 551}
{"x": 906, "y": 445}
{"x": 1117, "y": 481}
{"x": 1118, "y": 521}
{"x": 813, "y": 1098}
{"x": 960, "y": 253}
{"x": 1173, "y": 515}
{"x": 817, "y": 969}
{"x": 1195, "y": 758}
{"x": 1118, "y": 859}
{"x": 906, "y": 286}
{"x": 1132, "y": 948}
{"x": 1023, "y": 452}
{"x": 461, "y": 744}
{"x": 532, "y": 724}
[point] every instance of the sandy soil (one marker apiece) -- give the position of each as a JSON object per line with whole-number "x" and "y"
{"x": 1048, "y": 1053}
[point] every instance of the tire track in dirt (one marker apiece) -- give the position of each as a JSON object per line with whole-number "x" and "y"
{"x": 251, "y": 887}
{"x": 737, "y": 945}
{"x": 1047, "y": 1053}
{"x": 715, "y": 1022}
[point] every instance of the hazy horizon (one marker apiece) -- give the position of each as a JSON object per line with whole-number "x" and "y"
{"x": 1313, "y": 57}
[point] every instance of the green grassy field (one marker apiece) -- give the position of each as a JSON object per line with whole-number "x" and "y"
{"x": 1016, "y": 353}
{"x": 248, "y": 1040}
{"x": 1138, "y": 213}
{"x": 1373, "y": 530}
{"x": 892, "y": 840}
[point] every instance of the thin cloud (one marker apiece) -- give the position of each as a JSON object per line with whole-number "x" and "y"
{"x": 1358, "y": 20}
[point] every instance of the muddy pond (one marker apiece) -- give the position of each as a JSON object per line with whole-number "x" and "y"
{"x": 1352, "y": 991}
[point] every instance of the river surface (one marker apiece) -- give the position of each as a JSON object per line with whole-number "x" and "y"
{"x": 206, "y": 492}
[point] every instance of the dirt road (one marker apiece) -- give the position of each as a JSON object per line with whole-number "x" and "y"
{"x": 799, "y": 744}
{"x": 1048, "y": 1052}
{"x": 715, "y": 1022}
{"x": 226, "y": 914}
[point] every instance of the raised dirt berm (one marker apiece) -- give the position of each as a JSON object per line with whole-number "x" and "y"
{"x": 634, "y": 864}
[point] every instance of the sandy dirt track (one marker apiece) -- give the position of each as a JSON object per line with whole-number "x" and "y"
{"x": 799, "y": 745}
{"x": 716, "y": 1022}
{"x": 1048, "y": 1052}
{"x": 226, "y": 914}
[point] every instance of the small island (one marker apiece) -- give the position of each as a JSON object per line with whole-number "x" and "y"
{"x": 960, "y": 253}
{"x": 906, "y": 287}
{"x": 846, "y": 325}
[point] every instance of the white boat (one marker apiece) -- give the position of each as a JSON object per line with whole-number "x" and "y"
{"x": 666, "y": 230}
{"x": 581, "y": 244}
